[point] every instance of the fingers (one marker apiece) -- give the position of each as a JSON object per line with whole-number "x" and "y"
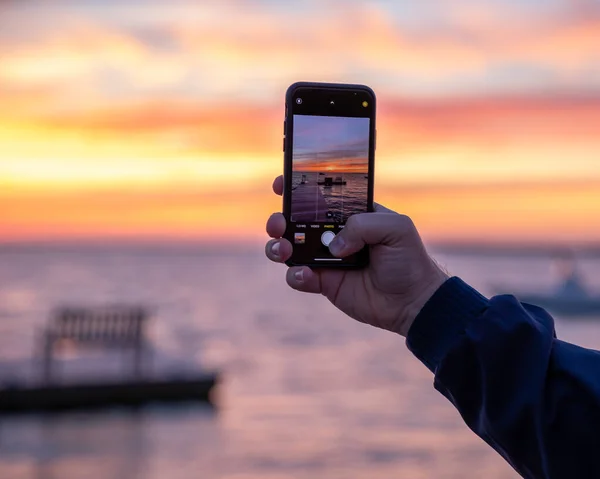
{"x": 278, "y": 250}
{"x": 278, "y": 185}
{"x": 371, "y": 229}
{"x": 304, "y": 279}
{"x": 276, "y": 225}
{"x": 301, "y": 278}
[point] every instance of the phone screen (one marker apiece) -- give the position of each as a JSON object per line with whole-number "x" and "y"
{"x": 329, "y": 177}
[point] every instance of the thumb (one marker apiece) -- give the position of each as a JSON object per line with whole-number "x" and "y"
{"x": 371, "y": 229}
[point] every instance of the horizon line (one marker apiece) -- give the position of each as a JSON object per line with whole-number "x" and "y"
{"x": 455, "y": 247}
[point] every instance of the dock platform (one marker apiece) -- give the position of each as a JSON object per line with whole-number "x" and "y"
{"x": 99, "y": 395}
{"x": 308, "y": 204}
{"x": 53, "y": 383}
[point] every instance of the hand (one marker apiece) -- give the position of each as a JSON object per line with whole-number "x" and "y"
{"x": 391, "y": 291}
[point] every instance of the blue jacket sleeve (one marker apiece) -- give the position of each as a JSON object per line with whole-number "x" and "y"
{"x": 533, "y": 398}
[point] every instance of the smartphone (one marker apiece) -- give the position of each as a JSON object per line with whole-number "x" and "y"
{"x": 329, "y": 156}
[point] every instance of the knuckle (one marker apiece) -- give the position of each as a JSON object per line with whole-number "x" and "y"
{"x": 353, "y": 222}
{"x": 405, "y": 223}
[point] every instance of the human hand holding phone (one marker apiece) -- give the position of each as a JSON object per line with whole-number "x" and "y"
{"x": 390, "y": 291}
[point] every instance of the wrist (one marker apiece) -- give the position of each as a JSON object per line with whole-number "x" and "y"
{"x": 423, "y": 291}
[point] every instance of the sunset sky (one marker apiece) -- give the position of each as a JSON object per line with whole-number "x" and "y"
{"x": 331, "y": 144}
{"x": 163, "y": 120}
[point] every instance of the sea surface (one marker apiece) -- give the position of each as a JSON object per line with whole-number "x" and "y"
{"x": 307, "y": 392}
{"x": 343, "y": 200}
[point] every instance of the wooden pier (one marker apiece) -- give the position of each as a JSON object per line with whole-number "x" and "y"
{"x": 18, "y": 399}
{"x": 33, "y": 387}
{"x": 308, "y": 204}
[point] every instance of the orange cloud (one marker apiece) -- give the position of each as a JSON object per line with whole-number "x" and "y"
{"x": 418, "y": 142}
{"x": 534, "y": 212}
{"x": 495, "y": 117}
{"x": 221, "y": 128}
{"x": 489, "y": 140}
{"x": 531, "y": 212}
{"x": 174, "y": 214}
{"x": 341, "y": 165}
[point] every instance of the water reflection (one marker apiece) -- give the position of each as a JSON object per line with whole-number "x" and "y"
{"x": 118, "y": 444}
{"x": 306, "y": 393}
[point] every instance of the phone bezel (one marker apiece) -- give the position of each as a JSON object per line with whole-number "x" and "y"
{"x": 338, "y": 91}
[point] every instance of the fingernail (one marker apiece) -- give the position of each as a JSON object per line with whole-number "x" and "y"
{"x": 337, "y": 245}
{"x": 275, "y": 248}
{"x": 299, "y": 275}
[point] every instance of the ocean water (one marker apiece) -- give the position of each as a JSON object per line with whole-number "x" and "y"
{"x": 307, "y": 392}
{"x": 343, "y": 200}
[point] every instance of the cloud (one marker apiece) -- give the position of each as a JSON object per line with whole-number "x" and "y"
{"x": 419, "y": 141}
{"x": 228, "y": 127}
{"x": 530, "y": 118}
{"x": 121, "y": 213}
{"x": 501, "y": 213}
{"x": 254, "y": 51}
{"x": 484, "y": 140}
{"x": 492, "y": 213}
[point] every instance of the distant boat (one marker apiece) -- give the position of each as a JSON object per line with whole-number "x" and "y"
{"x": 569, "y": 305}
{"x": 321, "y": 173}
{"x": 329, "y": 181}
{"x": 570, "y": 297}
{"x": 366, "y": 176}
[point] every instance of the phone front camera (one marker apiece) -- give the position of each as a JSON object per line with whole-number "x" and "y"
{"x": 299, "y": 101}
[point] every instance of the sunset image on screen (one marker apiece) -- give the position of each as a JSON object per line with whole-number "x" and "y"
{"x": 330, "y": 144}
{"x": 330, "y": 163}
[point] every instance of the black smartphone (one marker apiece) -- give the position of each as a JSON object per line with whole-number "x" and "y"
{"x": 329, "y": 156}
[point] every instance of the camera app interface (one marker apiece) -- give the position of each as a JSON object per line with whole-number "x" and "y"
{"x": 330, "y": 164}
